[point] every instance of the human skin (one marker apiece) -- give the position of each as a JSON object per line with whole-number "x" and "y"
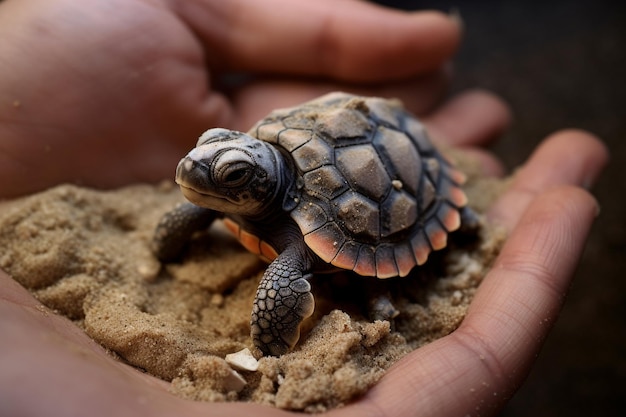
{"x": 106, "y": 93}
{"x": 119, "y": 89}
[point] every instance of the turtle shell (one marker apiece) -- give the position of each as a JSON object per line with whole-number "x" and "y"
{"x": 372, "y": 194}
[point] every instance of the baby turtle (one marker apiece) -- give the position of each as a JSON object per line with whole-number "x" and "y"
{"x": 340, "y": 182}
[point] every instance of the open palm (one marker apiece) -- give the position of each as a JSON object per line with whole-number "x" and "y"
{"x": 107, "y": 92}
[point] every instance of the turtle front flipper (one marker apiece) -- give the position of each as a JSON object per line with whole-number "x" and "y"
{"x": 283, "y": 300}
{"x": 176, "y": 228}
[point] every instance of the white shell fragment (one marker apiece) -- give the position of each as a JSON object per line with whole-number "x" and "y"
{"x": 242, "y": 360}
{"x": 148, "y": 269}
{"x": 234, "y": 382}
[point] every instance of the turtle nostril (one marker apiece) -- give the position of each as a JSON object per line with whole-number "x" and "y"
{"x": 185, "y": 165}
{"x": 188, "y": 166}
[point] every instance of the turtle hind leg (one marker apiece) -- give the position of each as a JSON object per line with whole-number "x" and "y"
{"x": 470, "y": 221}
{"x": 380, "y": 305}
{"x": 283, "y": 300}
{"x": 469, "y": 233}
{"x": 381, "y": 308}
{"x": 176, "y": 228}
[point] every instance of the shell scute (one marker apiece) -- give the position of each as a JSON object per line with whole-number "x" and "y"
{"x": 325, "y": 181}
{"x": 449, "y": 217}
{"x": 347, "y": 256}
{"x": 437, "y": 235}
{"x": 404, "y": 258}
{"x": 328, "y": 239}
{"x": 421, "y": 247}
{"x": 313, "y": 154}
{"x": 269, "y": 132}
{"x": 404, "y": 161}
{"x": 310, "y": 216}
{"x": 291, "y": 139}
{"x": 364, "y": 170}
{"x": 358, "y": 214}
{"x": 386, "y": 262}
{"x": 366, "y": 261}
{"x": 386, "y": 111}
{"x": 398, "y": 212}
{"x": 342, "y": 123}
{"x": 417, "y": 131}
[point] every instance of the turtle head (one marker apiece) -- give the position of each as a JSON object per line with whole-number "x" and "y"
{"x": 231, "y": 172}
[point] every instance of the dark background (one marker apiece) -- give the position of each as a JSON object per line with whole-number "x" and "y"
{"x": 562, "y": 64}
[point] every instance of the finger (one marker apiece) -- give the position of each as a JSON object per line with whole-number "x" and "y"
{"x": 255, "y": 100}
{"x": 39, "y": 348}
{"x": 521, "y": 297}
{"x": 52, "y": 358}
{"x": 481, "y": 161}
{"x": 478, "y": 367}
{"x": 567, "y": 157}
{"x": 347, "y": 40}
{"x": 471, "y": 119}
{"x": 474, "y": 118}
{"x": 24, "y": 320}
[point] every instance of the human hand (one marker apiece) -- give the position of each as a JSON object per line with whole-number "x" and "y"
{"x": 476, "y": 368}
{"x": 108, "y": 92}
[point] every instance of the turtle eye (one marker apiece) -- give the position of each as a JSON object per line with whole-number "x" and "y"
{"x": 233, "y": 168}
{"x": 236, "y": 174}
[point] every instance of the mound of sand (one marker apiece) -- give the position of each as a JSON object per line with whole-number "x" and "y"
{"x": 86, "y": 255}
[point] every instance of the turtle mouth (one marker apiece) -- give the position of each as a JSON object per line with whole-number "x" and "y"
{"x": 190, "y": 177}
{"x": 206, "y": 198}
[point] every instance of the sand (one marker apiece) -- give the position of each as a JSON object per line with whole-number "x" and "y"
{"x": 86, "y": 254}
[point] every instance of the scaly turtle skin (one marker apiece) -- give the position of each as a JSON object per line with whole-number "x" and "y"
{"x": 341, "y": 182}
